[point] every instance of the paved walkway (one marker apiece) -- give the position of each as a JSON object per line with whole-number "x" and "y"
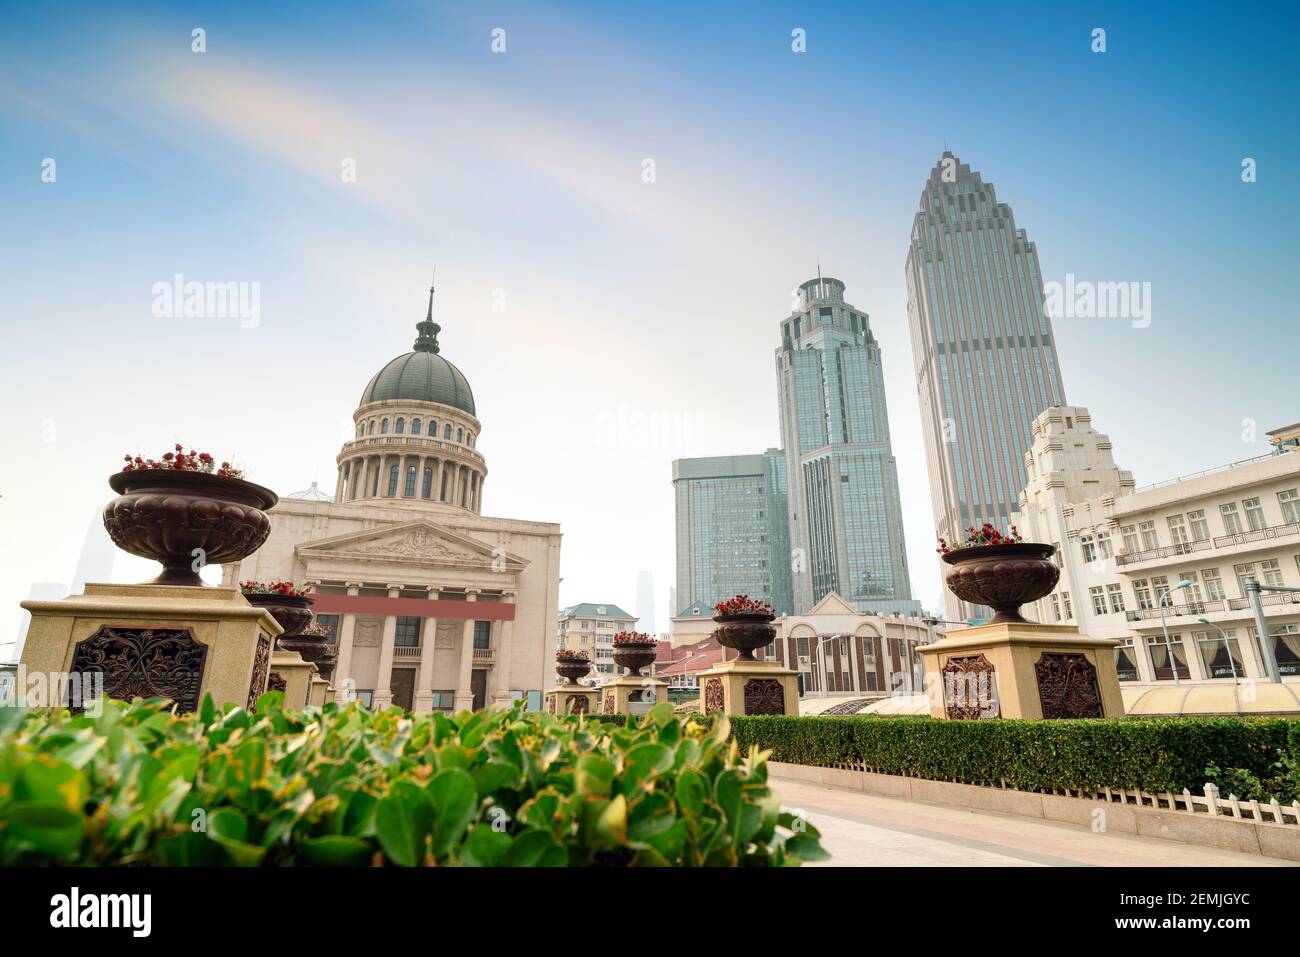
{"x": 864, "y": 830}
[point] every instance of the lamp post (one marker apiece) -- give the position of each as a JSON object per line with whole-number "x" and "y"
{"x": 1226, "y": 647}
{"x": 1253, "y": 592}
{"x": 1164, "y": 599}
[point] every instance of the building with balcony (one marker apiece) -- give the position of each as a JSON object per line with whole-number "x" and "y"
{"x": 433, "y": 605}
{"x": 591, "y": 627}
{"x": 1175, "y": 555}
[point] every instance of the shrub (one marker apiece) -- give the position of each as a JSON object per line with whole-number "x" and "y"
{"x": 138, "y": 784}
{"x": 1155, "y": 754}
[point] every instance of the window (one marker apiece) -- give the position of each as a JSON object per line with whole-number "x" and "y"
{"x": 408, "y": 632}
{"x": 1231, "y": 520}
{"x": 1116, "y": 595}
{"x": 1142, "y": 592}
{"x": 1098, "y": 596}
{"x": 446, "y": 431}
{"x": 1149, "y": 538}
{"x": 1193, "y": 588}
{"x": 371, "y": 430}
{"x": 1178, "y": 533}
{"x": 1126, "y": 668}
{"x": 446, "y": 700}
{"x": 1272, "y": 572}
{"x": 1065, "y": 606}
{"x": 1200, "y": 526}
{"x": 409, "y": 490}
{"x": 427, "y": 488}
{"x": 802, "y": 643}
{"x": 482, "y": 635}
{"x": 1286, "y": 646}
{"x": 1056, "y": 608}
{"x": 331, "y": 624}
{"x": 1129, "y": 532}
{"x": 1254, "y": 514}
{"x": 1160, "y": 585}
{"x": 365, "y": 697}
{"x": 1220, "y": 653}
{"x": 383, "y": 427}
{"x": 1168, "y": 658}
{"x": 415, "y": 426}
{"x": 1089, "y": 549}
{"x": 392, "y": 481}
{"x": 433, "y": 428}
{"x": 1213, "y": 584}
{"x": 1103, "y": 543}
{"x": 1290, "y": 502}
{"x": 460, "y": 436}
{"x": 401, "y": 426}
{"x": 1245, "y": 572}
{"x": 469, "y": 439}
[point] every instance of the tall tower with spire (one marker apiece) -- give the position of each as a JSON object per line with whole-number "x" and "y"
{"x": 982, "y": 350}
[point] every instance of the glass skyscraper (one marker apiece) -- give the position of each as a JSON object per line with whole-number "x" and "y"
{"x": 982, "y": 347}
{"x": 845, "y": 521}
{"x": 731, "y": 530}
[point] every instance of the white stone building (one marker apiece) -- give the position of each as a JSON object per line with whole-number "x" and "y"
{"x": 434, "y": 606}
{"x": 591, "y": 627}
{"x": 1193, "y": 541}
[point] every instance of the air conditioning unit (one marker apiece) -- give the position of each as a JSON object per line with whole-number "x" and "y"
{"x": 804, "y": 663}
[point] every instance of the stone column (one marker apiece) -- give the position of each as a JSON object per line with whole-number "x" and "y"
{"x": 424, "y": 678}
{"x": 343, "y": 667}
{"x": 464, "y": 689}
{"x": 501, "y": 667}
{"x": 338, "y": 482}
{"x": 437, "y": 481}
{"x": 383, "y": 696}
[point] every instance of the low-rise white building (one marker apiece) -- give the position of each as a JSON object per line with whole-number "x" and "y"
{"x": 591, "y": 627}
{"x": 1171, "y": 557}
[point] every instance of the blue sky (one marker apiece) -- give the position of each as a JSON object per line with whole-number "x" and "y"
{"x": 639, "y": 318}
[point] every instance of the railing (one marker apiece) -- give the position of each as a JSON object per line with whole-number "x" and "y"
{"x": 379, "y": 443}
{"x": 484, "y": 654}
{"x": 1165, "y": 551}
{"x": 1258, "y": 535}
{"x": 406, "y": 651}
{"x": 1172, "y": 611}
{"x": 1292, "y": 598}
{"x": 1204, "y": 472}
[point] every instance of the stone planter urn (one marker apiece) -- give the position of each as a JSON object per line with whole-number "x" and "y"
{"x": 291, "y": 612}
{"x": 572, "y": 669}
{"x": 165, "y": 515}
{"x": 634, "y": 656}
{"x": 745, "y": 633}
{"x": 1004, "y": 577}
{"x": 314, "y": 648}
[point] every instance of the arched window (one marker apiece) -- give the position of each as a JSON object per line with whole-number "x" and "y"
{"x": 409, "y": 490}
{"x": 460, "y": 436}
{"x": 372, "y": 427}
{"x": 415, "y": 426}
{"x": 392, "y": 481}
{"x": 383, "y": 427}
{"x": 401, "y": 425}
{"x": 446, "y": 431}
{"x": 361, "y": 430}
{"x": 428, "y": 484}
{"x": 433, "y": 428}
{"x": 469, "y": 439}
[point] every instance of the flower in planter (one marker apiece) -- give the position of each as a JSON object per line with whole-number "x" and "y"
{"x": 633, "y": 638}
{"x": 986, "y": 534}
{"x": 178, "y": 460}
{"x": 743, "y": 605}
{"x": 571, "y": 654}
{"x": 315, "y": 630}
{"x": 286, "y": 589}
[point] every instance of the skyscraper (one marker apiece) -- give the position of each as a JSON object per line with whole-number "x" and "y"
{"x": 731, "y": 529}
{"x": 845, "y": 521}
{"x": 982, "y": 348}
{"x": 645, "y": 601}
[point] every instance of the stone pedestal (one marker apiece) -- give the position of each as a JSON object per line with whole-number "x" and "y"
{"x": 1022, "y": 670}
{"x": 156, "y": 640}
{"x": 572, "y": 699}
{"x": 296, "y": 675}
{"x": 317, "y": 694}
{"x": 631, "y": 694}
{"x": 749, "y": 687}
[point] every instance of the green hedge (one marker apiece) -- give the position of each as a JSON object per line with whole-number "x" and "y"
{"x": 136, "y": 784}
{"x": 1155, "y": 754}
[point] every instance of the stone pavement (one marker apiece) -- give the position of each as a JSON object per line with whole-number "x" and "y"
{"x": 866, "y": 830}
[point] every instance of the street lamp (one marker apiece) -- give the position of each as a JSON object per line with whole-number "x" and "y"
{"x": 1226, "y": 647}
{"x": 1165, "y": 628}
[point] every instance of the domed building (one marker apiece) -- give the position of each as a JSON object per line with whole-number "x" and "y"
{"x": 433, "y": 606}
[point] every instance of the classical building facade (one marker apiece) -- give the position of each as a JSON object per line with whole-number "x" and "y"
{"x": 732, "y": 537}
{"x": 591, "y": 627}
{"x": 845, "y": 520}
{"x": 433, "y": 605}
{"x": 1171, "y": 557}
{"x": 983, "y": 351}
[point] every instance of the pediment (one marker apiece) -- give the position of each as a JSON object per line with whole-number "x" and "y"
{"x": 832, "y": 604}
{"x": 420, "y": 542}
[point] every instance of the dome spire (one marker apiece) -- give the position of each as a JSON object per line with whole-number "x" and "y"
{"x": 428, "y": 329}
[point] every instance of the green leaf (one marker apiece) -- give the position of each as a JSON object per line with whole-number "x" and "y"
{"x": 485, "y": 847}
{"x": 806, "y": 848}
{"x": 534, "y": 849}
{"x": 403, "y": 821}
{"x": 455, "y": 801}
{"x": 335, "y": 850}
{"x": 594, "y": 775}
{"x": 228, "y": 828}
{"x": 611, "y": 826}
{"x": 50, "y": 828}
{"x": 47, "y": 780}
{"x": 691, "y": 791}
{"x": 493, "y": 776}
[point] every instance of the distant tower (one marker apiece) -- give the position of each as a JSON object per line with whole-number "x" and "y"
{"x": 645, "y": 602}
{"x": 97, "y": 556}
{"x": 982, "y": 348}
{"x": 845, "y": 520}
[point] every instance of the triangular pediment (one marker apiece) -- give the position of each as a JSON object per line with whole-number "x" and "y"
{"x": 420, "y": 543}
{"x": 832, "y": 604}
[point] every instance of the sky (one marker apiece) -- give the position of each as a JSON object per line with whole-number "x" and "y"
{"x": 608, "y": 320}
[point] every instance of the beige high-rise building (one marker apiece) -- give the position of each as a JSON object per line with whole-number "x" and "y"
{"x": 982, "y": 347}
{"x": 434, "y": 605}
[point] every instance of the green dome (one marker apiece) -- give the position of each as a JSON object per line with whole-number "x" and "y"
{"x": 422, "y": 377}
